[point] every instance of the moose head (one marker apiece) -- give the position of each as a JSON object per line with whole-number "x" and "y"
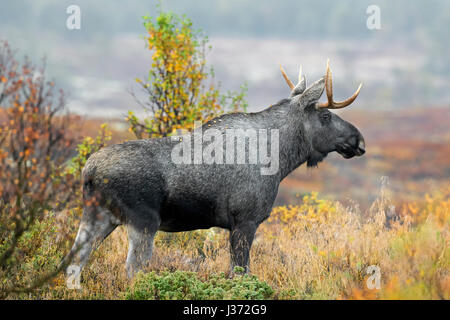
{"x": 324, "y": 131}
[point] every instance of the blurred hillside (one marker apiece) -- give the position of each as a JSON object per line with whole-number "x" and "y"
{"x": 404, "y": 64}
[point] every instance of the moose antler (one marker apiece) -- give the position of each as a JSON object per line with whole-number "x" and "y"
{"x": 330, "y": 104}
{"x": 297, "y": 89}
{"x": 288, "y": 81}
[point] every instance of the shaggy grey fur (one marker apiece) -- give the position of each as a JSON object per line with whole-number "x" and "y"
{"x": 137, "y": 184}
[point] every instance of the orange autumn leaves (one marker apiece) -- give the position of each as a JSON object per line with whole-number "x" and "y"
{"x": 36, "y": 139}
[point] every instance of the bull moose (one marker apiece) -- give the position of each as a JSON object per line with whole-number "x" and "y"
{"x": 137, "y": 183}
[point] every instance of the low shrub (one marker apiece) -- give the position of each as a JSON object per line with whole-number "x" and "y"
{"x": 181, "y": 285}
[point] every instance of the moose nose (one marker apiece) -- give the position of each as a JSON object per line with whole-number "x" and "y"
{"x": 361, "y": 148}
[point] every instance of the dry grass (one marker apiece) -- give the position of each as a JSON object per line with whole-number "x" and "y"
{"x": 315, "y": 250}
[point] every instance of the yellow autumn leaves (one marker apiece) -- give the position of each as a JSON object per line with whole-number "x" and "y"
{"x": 175, "y": 89}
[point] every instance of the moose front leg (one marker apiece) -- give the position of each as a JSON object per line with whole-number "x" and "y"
{"x": 241, "y": 238}
{"x": 140, "y": 249}
{"x": 142, "y": 226}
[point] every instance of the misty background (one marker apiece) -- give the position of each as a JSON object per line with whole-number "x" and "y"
{"x": 405, "y": 64}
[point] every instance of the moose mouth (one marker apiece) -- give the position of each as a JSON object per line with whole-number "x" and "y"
{"x": 347, "y": 151}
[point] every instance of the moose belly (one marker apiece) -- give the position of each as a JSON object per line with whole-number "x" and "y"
{"x": 191, "y": 213}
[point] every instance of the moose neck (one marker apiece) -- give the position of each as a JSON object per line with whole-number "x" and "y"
{"x": 294, "y": 149}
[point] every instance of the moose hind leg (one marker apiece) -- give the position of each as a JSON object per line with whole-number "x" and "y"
{"x": 96, "y": 224}
{"x": 241, "y": 238}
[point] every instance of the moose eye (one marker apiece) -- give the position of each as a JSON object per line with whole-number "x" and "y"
{"x": 325, "y": 117}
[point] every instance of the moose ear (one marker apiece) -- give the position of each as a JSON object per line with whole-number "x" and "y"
{"x": 300, "y": 87}
{"x": 312, "y": 94}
